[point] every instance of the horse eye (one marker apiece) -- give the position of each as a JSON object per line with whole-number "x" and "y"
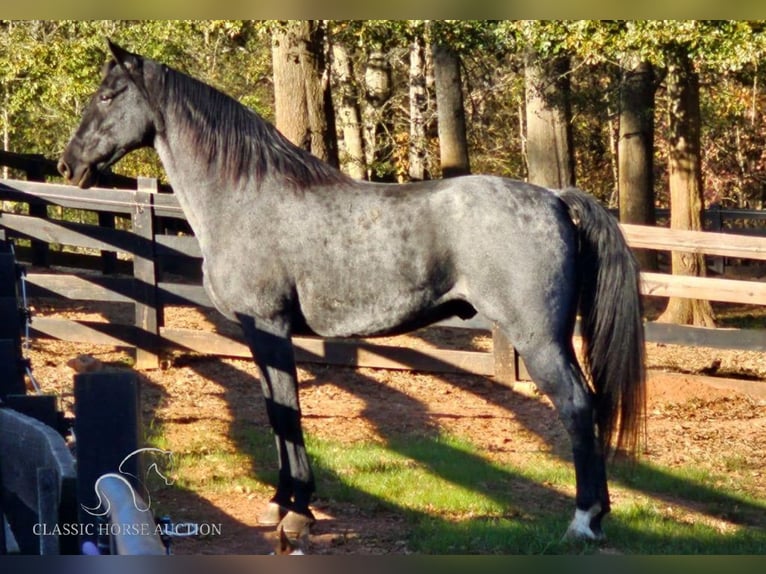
{"x": 110, "y": 93}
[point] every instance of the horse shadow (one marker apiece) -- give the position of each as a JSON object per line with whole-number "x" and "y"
{"x": 521, "y": 496}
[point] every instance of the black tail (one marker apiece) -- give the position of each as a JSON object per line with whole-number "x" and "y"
{"x": 611, "y": 324}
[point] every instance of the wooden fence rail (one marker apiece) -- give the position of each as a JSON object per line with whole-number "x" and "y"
{"x": 162, "y": 269}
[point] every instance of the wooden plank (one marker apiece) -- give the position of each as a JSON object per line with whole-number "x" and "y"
{"x": 93, "y": 199}
{"x": 91, "y": 332}
{"x": 741, "y": 339}
{"x": 477, "y": 323}
{"x": 707, "y": 288}
{"x": 183, "y": 294}
{"x": 40, "y": 249}
{"x": 205, "y": 342}
{"x": 364, "y": 354}
{"x": 177, "y": 245}
{"x": 48, "y": 167}
{"x": 726, "y": 244}
{"x": 80, "y": 287}
{"x": 75, "y": 234}
{"x": 101, "y": 199}
{"x": 166, "y": 205}
{"x": 745, "y": 214}
{"x": 342, "y": 352}
{"x": 78, "y": 261}
{"x": 11, "y": 318}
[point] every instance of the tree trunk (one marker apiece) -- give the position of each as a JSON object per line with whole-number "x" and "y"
{"x": 349, "y": 116}
{"x": 550, "y": 157}
{"x": 302, "y": 99}
{"x": 290, "y": 106}
{"x": 324, "y": 139}
{"x": 418, "y": 108}
{"x": 453, "y": 143}
{"x": 686, "y": 201}
{"x": 377, "y": 126}
{"x": 635, "y": 151}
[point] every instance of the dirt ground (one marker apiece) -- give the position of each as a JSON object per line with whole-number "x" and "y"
{"x": 693, "y": 418}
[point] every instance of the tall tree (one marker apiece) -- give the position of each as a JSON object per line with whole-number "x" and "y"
{"x": 683, "y": 49}
{"x": 377, "y": 123}
{"x": 302, "y": 98}
{"x": 636, "y": 149}
{"x": 349, "y": 117}
{"x": 417, "y": 168}
{"x": 686, "y": 199}
{"x": 448, "y": 85}
{"x": 550, "y": 156}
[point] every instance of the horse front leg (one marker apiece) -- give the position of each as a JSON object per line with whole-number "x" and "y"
{"x": 273, "y": 353}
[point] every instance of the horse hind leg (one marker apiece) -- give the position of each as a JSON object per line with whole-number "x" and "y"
{"x": 556, "y": 373}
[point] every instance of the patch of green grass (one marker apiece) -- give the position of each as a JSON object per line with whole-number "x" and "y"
{"x": 419, "y": 480}
{"x": 697, "y": 488}
{"x": 492, "y": 536}
{"x": 203, "y": 465}
{"x": 457, "y": 501}
{"x": 652, "y": 527}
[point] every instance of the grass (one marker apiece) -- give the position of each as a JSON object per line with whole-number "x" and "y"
{"x": 456, "y": 501}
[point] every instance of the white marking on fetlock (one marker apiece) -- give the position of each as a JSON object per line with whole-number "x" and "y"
{"x": 580, "y": 525}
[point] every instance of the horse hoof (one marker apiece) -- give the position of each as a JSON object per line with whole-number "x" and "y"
{"x": 296, "y": 525}
{"x": 273, "y": 514}
{"x": 586, "y": 525}
{"x": 586, "y": 533}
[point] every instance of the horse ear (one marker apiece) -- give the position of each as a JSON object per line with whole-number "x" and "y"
{"x": 125, "y": 59}
{"x": 133, "y": 64}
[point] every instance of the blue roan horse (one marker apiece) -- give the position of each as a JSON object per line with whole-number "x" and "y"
{"x": 290, "y": 244}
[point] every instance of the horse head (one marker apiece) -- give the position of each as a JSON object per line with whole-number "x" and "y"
{"x": 118, "y": 119}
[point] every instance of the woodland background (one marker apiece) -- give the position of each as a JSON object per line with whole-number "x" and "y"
{"x": 642, "y": 114}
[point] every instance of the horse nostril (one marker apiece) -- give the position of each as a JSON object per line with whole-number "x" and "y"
{"x": 64, "y": 169}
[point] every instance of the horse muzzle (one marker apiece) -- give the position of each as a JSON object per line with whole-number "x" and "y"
{"x": 83, "y": 175}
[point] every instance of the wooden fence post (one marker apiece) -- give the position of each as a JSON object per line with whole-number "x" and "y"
{"x": 11, "y": 369}
{"x": 717, "y": 263}
{"x": 40, "y": 249}
{"x": 509, "y": 368}
{"x": 108, "y": 258}
{"x": 108, "y": 428}
{"x": 148, "y": 313}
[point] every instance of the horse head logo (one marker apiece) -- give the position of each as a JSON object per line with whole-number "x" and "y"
{"x": 161, "y": 464}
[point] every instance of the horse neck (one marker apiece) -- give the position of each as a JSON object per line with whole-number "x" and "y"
{"x": 208, "y": 167}
{"x": 194, "y": 182}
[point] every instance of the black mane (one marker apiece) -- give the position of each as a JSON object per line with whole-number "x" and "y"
{"x": 237, "y": 139}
